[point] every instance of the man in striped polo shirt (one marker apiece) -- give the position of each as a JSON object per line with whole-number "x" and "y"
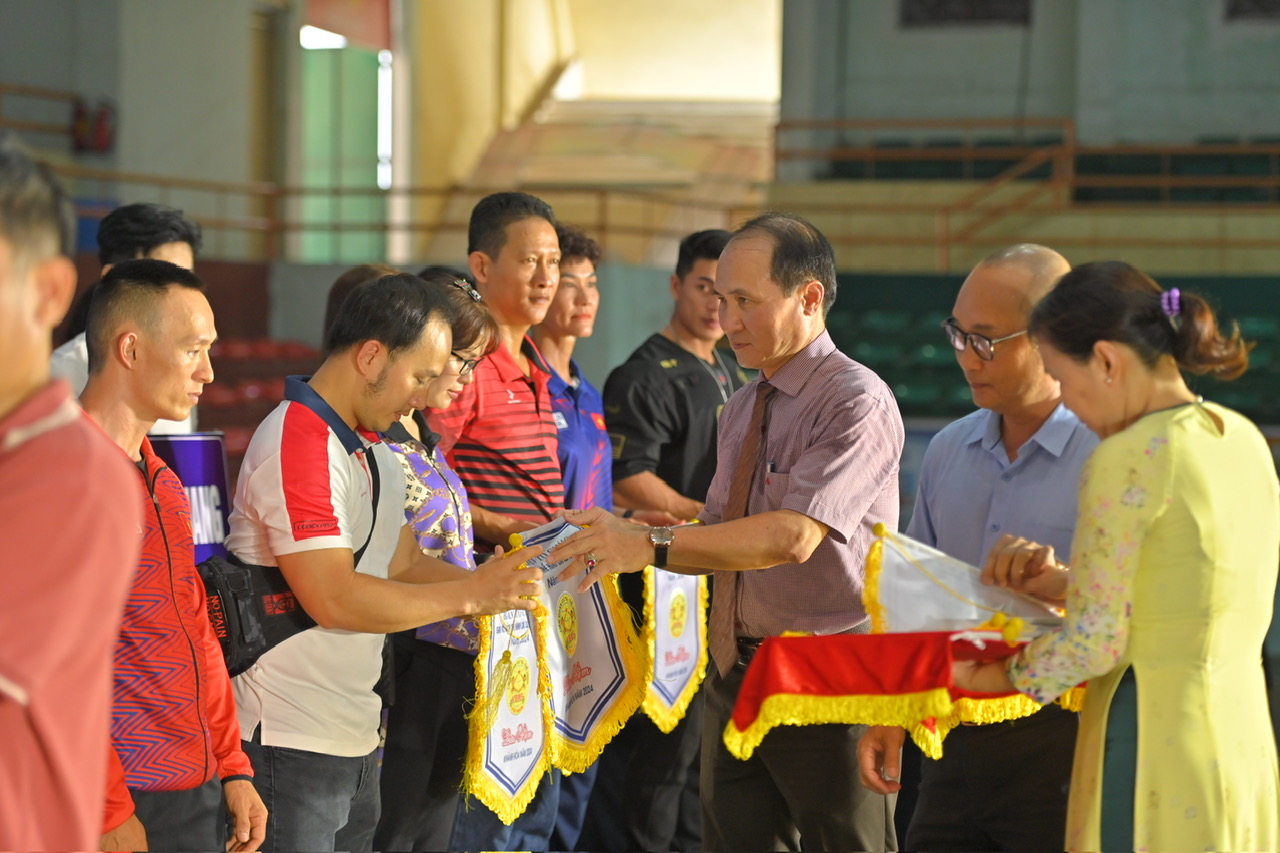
{"x": 500, "y": 436}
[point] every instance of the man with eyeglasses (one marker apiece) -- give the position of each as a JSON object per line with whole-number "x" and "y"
{"x": 1008, "y": 470}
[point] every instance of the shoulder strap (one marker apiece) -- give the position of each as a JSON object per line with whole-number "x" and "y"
{"x": 372, "y": 460}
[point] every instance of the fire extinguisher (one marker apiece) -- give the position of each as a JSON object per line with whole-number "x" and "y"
{"x": 104, "y": 127}
{"x": 81, "y": 127}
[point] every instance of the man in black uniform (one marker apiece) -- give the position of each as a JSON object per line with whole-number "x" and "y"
{"x": 662, "y": 403}
{"x": 661, "y": 408}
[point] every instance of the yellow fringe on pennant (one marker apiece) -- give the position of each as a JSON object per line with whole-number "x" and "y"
{"x": 572, "y": 757}
{"x": 789, "y": 709}
{"x": 665, "y": 717}
{"x": 474, "y": 781}
{"x": 909, "y": 711}
{"x": 871, "y": 584}
{"x": 495, "y": 690}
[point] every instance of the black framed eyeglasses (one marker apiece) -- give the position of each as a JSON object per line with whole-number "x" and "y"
{"x": 985, "y": 347}
{"x": 466, "y": 366}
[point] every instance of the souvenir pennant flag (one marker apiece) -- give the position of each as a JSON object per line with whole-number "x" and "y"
{"x": 508, "y": 746}
{"x": 675, "y": 628}
{"x": 927, "y": 611}
{"x": 595, "y": 673}
{"x": 872, "y": 679}
{"x": 912, "y": 587}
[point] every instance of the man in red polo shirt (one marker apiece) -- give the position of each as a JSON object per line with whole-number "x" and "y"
{"x": 500, "y": 436}
{"x": 70, "y": 528}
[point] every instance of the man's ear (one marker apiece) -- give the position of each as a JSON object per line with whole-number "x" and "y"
{"x": 55, "y": 288}
{"x": 370, "y": 356}
{"x": 126, "y": 350}
{"x": 479, "y": 263}
{"x": 811, "y": 296}
{"x": 675, "y": 286}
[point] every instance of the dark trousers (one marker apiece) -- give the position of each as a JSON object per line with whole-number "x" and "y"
{"x": 476, "y": 827}
{"x": 798, "y": 790}
{"x": 194, "y": 819}
{"x": 575, "y": 797}
{"x": 425, "y": 746}
{"x": 998, "y": 787}
{"x": 315, "y": 801}
{"x": 645, "y": 796}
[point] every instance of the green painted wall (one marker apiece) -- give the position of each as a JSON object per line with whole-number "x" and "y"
{"x": 339, "y": 149}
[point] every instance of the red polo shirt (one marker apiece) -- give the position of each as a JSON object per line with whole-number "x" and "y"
{"x": 500, "y": 438}
{"x": 70, "y": 522}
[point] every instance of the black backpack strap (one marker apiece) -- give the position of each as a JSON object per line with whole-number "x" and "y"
{"x": 371, "y": 458}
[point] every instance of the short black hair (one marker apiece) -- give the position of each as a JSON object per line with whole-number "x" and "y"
{"x": 698, "y": 246}
{"x": 344, "y": 284}
{"x": 800, "y": 253}
{"x": 130, "y": 289}
{"x": 392, "y": 310}
{"x": 134, "y": 230}
{"x": 575, "y": 243}
{"x": 487, "y": 231}
{"x": 36, "y": 217}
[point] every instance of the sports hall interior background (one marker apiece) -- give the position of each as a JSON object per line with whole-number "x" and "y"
{"x": 310, "y": 135}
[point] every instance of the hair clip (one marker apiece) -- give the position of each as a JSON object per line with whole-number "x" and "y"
{"x": 466, "y": 288}
{"x": 1171, "y": 303}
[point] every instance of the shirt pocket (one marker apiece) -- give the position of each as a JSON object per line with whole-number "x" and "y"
{"x": 776, "y": 486}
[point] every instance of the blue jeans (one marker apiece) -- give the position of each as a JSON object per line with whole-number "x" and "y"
{"x": 194, "y": 819}
{"x": 476, "y": 827}
{"x": 315, "y": 801}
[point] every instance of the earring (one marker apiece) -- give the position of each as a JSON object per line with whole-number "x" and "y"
{"x": 1108, "y": 380}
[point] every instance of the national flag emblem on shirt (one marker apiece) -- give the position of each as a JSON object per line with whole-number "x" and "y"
{"x": 598, "y": 420}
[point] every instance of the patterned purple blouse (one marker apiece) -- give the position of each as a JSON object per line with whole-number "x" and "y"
{"x": 436, "y": 505}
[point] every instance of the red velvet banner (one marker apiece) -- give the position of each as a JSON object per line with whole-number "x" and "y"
{"x": 875, "y": 679}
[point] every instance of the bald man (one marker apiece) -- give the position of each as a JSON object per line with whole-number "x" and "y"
{"x": 1008, "y": 470}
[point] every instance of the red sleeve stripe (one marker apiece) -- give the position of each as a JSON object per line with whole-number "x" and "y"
{"x": 304, "y": 474}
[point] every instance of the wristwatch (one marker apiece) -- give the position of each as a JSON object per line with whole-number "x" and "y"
{"x": 661, "y": 537}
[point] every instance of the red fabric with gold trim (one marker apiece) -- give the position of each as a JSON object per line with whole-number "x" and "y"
{"x": 875, "y": 679}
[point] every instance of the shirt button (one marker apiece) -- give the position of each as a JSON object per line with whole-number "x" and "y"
{"x": 1006, "y": 477}
{"x": 994, "y": 528}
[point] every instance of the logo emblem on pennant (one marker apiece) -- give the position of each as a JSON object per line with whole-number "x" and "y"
{"x": 679, "y": 613}
{"x": 567, "y": 623}
{"x": 518, "y": 689}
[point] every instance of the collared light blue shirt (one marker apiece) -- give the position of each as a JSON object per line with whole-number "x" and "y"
{"x": 970, "y": 494}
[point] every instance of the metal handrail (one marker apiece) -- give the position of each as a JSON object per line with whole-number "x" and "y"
{"x": 958, "y": 223}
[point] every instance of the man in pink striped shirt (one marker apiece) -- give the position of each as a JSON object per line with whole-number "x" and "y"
{"x": 807, "y": 465}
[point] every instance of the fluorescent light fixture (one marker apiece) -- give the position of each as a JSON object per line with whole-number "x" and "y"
{"x": 384, "y": 119}
{"x": 314, "y": 38}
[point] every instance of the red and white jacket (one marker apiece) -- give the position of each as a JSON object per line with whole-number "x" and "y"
{"x": 173, "y": 713}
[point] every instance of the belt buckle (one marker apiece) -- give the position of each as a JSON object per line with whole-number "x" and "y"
{"x": 747, "y": 648}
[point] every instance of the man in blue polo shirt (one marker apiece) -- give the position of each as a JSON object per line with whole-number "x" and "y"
{"x": 1008, "y": 470}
